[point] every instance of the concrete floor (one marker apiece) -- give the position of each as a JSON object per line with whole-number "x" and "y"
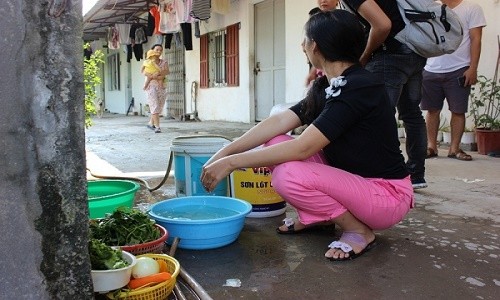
{"x": 446, "y": 248}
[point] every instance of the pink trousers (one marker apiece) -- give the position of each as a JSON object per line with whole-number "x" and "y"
{"x": 320, "y": 192}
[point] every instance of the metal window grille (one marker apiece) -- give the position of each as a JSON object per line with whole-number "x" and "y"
{"x": 217, "y": 63}
{"x": 219, "y": 57}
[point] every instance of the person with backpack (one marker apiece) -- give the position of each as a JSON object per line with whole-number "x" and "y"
{"x": 401, "y": 69}
{"x": 450, "y": 76}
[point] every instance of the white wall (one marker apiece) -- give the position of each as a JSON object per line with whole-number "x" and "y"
{"x": 226, "y": 103}
{"x": 490, "y": 47}
{"x": 296, "y": 60}
{"x": 236, "y": 104}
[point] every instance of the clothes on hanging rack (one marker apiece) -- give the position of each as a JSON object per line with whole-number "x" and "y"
{"x": 187, "y": 39}
{"x": 201, "y": 9}
{"x": 137, "y": 50}
{"x": 124, "y": 33}
{"x": 113, "y": 38}
{"x": 170, "y": 16}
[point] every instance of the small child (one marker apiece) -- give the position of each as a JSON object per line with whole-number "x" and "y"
{"x": 150, "y": 67}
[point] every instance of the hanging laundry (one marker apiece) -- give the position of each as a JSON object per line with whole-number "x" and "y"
{"x": 197, "y": 29}
{"x": 186, "y": 12}
{"x": 221, "y": 6}
{"x": 155, "y": 12}
{"x": 186, "y": 37}
{"x": 201, "y": 9}
{"x": 138, "y": 34}
{"x": 151, "y": 25}
{"x": 169, "y": 21}
{"x": 113, "y": 38}
{"x": 137, "y": 50}
{"x": 124, "y": 32}
{"x": 87, "y": 52}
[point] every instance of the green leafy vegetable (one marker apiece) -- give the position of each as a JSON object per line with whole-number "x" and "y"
{"x": 103, "y": 257}
{"x": 125, "y": 226}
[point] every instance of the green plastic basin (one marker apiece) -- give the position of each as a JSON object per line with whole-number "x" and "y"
{"x": 104, "y": 196}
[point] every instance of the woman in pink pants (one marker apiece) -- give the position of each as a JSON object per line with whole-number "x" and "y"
{"x": 346, "y": 167}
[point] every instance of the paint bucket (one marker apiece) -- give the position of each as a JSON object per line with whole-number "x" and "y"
{"x": 190, "y": 154}
{"x": 254, "y": 185}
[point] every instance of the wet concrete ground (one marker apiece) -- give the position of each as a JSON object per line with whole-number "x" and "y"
{"x": 446, "y": 248}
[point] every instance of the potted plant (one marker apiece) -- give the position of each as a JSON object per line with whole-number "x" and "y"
{"x": 485, "y": 113}
{"x": 442, "y": 127}
{"x": 401, "y": 129}
{"x": 446, "y": 131}
{"x": 468, "y": 137}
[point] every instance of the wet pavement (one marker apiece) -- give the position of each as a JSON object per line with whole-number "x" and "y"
{"x": 447, "y": 247}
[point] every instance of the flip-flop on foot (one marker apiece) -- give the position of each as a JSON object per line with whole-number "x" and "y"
{"x": 431, "y": 153}
{"x": 344, "y": 245}
{"x": 290, "y": 224}
{"x": 460, "y": 155}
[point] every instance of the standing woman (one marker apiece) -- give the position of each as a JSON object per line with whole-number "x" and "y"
{"x": 156, "y": 92}
{"x": 346, "y": 167}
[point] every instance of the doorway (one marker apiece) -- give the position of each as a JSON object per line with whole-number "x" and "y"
{"x": 270, "y": 62}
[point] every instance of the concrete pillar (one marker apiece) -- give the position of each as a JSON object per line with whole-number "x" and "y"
{"x": 43, "y": 206}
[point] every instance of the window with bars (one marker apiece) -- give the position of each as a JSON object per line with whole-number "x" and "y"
{"x": 114, "y": 72}
{"x": 219, "y": 58}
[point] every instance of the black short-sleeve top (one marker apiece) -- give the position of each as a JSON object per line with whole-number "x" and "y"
{"x": 389, "y": 7}
{"x": 361, "y": 127}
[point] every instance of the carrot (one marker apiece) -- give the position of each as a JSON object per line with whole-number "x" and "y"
{"x": 163, "y": 265}
{"x": 147, "y": 280}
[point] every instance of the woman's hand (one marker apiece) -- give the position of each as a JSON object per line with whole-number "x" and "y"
{"x": 214, "y": 172}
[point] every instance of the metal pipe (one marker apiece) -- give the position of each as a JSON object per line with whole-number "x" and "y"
{"x": 198, "y": 289}
{"x": 178, "y": 293}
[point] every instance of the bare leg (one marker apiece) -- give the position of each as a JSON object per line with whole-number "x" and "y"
{"x": 298, "y": 226}
{"x": 457, "y": 125}
{"x": 349, "y": 223}
{"x": 432, "y": 120}
{"x": 146, "y": 84}
{"x": 155, "y": 118}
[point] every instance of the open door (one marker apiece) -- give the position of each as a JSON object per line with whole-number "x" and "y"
{"x": 270, "y": 62}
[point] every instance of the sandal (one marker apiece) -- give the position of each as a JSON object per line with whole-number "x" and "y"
{"x": 431, "y": 153}
{"x": 460, "y": 155}
{"x": 290, "y": 224}
{"x": 344, "y": 245}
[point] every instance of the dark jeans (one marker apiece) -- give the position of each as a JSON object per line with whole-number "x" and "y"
{"x": 402, "y": 69}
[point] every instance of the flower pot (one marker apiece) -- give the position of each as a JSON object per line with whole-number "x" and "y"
{"x": 469, "y": 137}
{"x": 439, "y": 137}
{"x": 446, "y": 137}
{"x": 401, "y": 132}
{"x": 487, "y": 141}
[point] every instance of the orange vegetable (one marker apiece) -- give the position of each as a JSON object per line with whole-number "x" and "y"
{"x": 148, "y": 280}
{"x": 163, "y": 265}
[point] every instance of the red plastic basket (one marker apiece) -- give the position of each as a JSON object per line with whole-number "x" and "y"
{"x": 155, "y": 246}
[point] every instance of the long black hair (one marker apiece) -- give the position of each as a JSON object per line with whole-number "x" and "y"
{"x": 339, "y": 37}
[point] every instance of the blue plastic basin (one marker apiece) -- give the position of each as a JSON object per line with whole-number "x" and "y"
{"x": 201, "y": 222}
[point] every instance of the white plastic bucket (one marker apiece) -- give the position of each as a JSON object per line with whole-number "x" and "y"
{"x": 254, "y": 185}
{"x": 190, "y": 154}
